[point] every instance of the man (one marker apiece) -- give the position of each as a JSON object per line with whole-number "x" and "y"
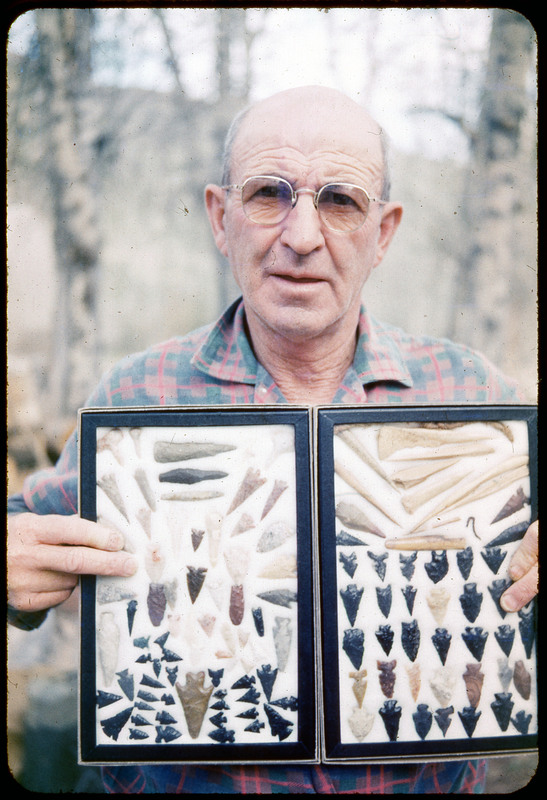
{"x": 300, "y": 257}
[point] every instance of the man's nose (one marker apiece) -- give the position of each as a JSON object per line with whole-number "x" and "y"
{"x": 302, "y": 230}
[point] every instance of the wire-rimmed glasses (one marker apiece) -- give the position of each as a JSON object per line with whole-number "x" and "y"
{"x": 267, "y": 200}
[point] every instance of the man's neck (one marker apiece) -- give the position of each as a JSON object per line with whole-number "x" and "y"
{"x": 307, "y": 372}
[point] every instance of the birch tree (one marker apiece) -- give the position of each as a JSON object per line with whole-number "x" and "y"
{"x": 490, "y": 308}
{"x": 64, "y": 37}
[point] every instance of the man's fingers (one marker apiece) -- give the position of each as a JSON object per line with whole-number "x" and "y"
{"x": 526, "y": 555}
{"x": 521, "y": 592}
{"x": 523, "y": 570}
{"x": 72, "y": 530}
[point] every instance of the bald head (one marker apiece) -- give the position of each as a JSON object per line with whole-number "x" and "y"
{"x": 327, "y": 111}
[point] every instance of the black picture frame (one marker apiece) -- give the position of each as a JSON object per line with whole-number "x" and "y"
{"x": 388, "y": 687}
{"x": 111, "y": 711}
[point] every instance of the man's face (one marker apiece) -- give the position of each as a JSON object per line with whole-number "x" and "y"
{"x": 299, "y": 279}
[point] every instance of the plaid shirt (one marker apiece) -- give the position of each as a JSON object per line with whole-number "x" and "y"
{"x": 215, "y": 365}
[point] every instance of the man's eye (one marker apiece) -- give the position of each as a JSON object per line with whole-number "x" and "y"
{"x": 269, "y": 192}
{"x": 338, "y": 198}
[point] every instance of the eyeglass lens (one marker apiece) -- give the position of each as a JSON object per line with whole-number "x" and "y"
{"x": 341, "y": 207}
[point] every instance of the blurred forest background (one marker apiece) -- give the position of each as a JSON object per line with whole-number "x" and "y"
{"x": 115, "y": 121}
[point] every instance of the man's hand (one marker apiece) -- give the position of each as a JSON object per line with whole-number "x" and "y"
{"x": 46, "y": 554}
{"x": 523, "y": 570}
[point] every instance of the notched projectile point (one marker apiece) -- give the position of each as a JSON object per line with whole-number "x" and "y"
{"x": 353, "y": 644}
{"x": 475, "y": 639}
{"x": 126, "y": 683}
{"x": 469, "y": 718}
{"x": 387, "y": 676}
{"x": 349, "y": 562}
{"x": 391, "y": 716}
{"x": 423, "y": 719}
{"x": 502, "y": 708}
{"x": 385, "y": 636}
{"x": 194, "y": 578}
{"x": 505, "y": 637}
{"x": 410, "y": 638}
{"x": 471, "y": 601}
{"x": 494, "y": 558}
{"x": 522, "y": 721}
{"x": 384, "y": 598}
{"x": 360, "y": 723}
{"x": 437, "y": 568}
{"x": 279, "y": 597}
{"x": 166, "y": 733}
{"x": 408, "y": 564}
{"x": 279, "y": 726}
{"x": 379, "y": 562}
{"x": 343, "y": 539}
{"x": 267, "y": 677}
{"x": 106, "y": 698}
{"x": 112, "y": 726}
{"x": 351, "y": 597}
{"x": 443, "y": 718}
{"x": 464, "y": 559}
{"x": 359, "y": 685}
{"x": 409, "y": 593}
{"x": 496, "y": 589}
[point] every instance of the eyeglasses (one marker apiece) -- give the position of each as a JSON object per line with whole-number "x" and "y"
{"x": 268, "y": 200}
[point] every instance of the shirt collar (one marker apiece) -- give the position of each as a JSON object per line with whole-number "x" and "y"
{"x": 227, "y": 353}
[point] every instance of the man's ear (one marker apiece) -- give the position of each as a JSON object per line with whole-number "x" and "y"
{"x": 214, "y": 205}
{"x": 391, "y": 217}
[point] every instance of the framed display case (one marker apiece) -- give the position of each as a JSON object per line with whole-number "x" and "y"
{"x": 207, "y": 653}
{"x": 312, "y": 585}
{"x": 419, "y": 512}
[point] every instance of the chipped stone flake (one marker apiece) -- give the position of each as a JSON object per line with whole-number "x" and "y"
{"x": 252, "y": 481}
{"x": 194, "y": 696}
{"x": 108, "y": 642}
{"x": 360, "y": 723}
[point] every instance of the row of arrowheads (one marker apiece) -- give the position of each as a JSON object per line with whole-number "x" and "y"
{"x": 170, "y": 700}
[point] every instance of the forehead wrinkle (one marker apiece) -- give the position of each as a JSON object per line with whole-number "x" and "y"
{"x": 299, "y": 168}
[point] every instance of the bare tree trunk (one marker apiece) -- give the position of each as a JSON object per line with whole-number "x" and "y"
{"x": 64, "y": 38}
{"x": 487, "y": 308}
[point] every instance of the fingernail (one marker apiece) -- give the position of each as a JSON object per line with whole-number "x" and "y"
{"x": 508, "y": 603}
{"x": 129, "y": 566}
{"x": 115, "y": 541}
